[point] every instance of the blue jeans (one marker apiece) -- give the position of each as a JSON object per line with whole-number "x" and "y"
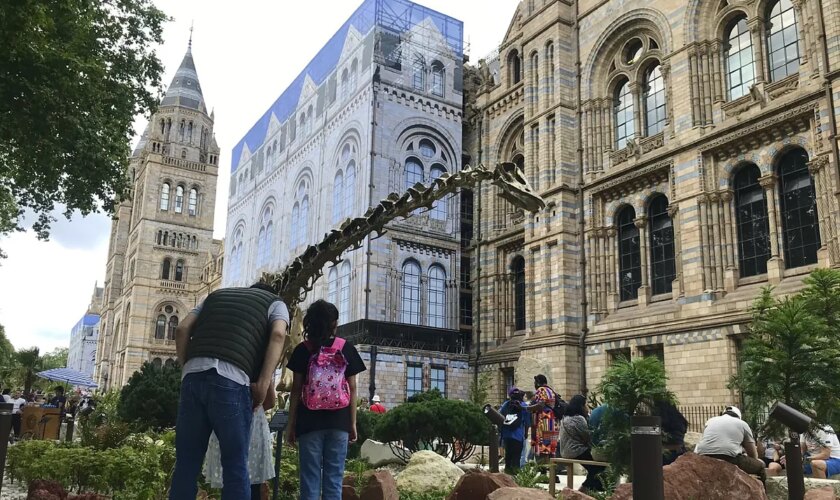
{"x": 212, "y": 403}
{"x": 322, "y": 455}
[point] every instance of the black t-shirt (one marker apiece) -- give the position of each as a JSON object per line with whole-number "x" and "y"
{"x": 317, "y": 420}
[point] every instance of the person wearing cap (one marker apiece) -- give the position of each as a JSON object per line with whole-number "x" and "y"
{"x": 377, "y": 406}
{"x": 517, "y": 420}
{"x": 726, "y": 438}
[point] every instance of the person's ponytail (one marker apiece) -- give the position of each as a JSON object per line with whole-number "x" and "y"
{"x": 319, "y": 321}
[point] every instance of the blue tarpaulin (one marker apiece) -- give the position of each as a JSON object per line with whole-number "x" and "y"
{"x": 69, "y": 376}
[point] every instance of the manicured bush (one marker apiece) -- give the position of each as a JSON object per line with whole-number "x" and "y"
{"x": 366, "y": 422}
{"x": 150, "y": 399}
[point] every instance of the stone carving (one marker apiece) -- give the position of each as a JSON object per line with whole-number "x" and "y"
{"x": 782, "y": 87}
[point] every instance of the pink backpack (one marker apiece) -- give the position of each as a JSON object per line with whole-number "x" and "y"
{"x": 326, "y": 388}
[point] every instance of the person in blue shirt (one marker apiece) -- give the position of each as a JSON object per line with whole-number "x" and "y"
{"x": 517, "y": 420}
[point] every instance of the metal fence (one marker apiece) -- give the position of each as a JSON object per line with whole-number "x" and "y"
{"x": 697, "y": 415}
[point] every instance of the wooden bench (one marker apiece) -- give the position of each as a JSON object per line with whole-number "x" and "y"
{"x": 570, "y": 471}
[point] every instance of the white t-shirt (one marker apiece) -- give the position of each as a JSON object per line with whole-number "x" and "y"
{"x": 724, "y": 435}
{"x": 769, "y": 449}
{"x": 7, "y": 398}
{"x": 826, "y": 437}
{"x": 19, "y": 404}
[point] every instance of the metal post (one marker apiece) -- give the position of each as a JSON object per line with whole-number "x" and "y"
{"x": 646, "y": 456}
{"x": 278, "y": 424}
{"x": 5, "y": 430}
{"x": 793, "y": 466}
{"x": 494, "y": 449}
{"x": 71, "y": 421}
{"x": 373, "y": 353}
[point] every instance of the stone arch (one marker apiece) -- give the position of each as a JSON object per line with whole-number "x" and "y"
{"x": 513, "y": 132}
{"x": 351, "y": 133}
{"x": 774, "y": 152}
{"x": 425, "y": 128}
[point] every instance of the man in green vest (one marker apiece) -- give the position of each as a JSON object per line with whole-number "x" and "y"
{"x": 229, "y": 347}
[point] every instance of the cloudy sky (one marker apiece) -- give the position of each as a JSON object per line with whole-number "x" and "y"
{"x": 246, "y": 53}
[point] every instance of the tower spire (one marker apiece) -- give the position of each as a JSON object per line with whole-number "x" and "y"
{"x": 189, "y": 44}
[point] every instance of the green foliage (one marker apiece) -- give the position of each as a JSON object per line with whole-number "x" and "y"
{"x": 528, "y": 476}
{"x": 289, "y": 474}
{"x": 366, "y": 422}
{"x": 75, "y": 74}
{"x": 479, "y": 391}
{"x": 791, "y": 355}
{"x": 7, "y": 360}
{"x": 432, "y": 423}
{"x": 29, "y": 362}
{"x": 57, "y": 358}
{"x": 423, "y": 397}
{"x": 150, "y": 399}
{"x": 629, "y": 388}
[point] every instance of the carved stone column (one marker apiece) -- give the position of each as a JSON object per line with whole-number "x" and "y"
{"x": 775, "y": 265}
{"x": 636, "y": 92}
{"x": 718, "y": 246}
{"x": 756, "y": 28}
{"x": 828, "y": 251}
{"x": 604, "y": 272}
{"x": 730, "y": 278}
{"x": 677, "y": 290}
{"x": 804, "y": 35}
{"x": 607, "y": 128}
{"x": 665, "y": 69}
{"x": 694, "y": 87}
{"x": 612, "y": 268}
{"x": 717, "y": 51}
{"x": 705, "y": 73}
{"x": 644, "y": 290}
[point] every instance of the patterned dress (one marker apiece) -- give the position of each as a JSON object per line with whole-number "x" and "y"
{"x": 546, "y": 431}
{"x": 260, "y": 460}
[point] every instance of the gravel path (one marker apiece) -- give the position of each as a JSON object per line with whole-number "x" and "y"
{"x": 12, "y": 491}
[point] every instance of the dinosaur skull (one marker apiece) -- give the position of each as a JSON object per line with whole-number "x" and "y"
{"x": 515, "y": 188}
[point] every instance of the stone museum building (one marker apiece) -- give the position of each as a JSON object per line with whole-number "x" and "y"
{"x": 162, "y": 257}
{"x": 688, "y": 154}
{"x": 378, "y": 109}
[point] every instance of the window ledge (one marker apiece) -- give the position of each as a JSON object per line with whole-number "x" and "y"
{"x": 801, "y": 270}
{"x": 662, "y": 297}
{"x": 781, "y": 87}
{"x": 752, "y": 279}
{"x": 628, "y": 303}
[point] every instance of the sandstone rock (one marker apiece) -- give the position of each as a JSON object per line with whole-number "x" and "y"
{"x": 348, "y": 493}
{"x": 378, "y": 454}
{"x": 695, "y": 476}
{"x": 824, "y": 493}
{"x": 691, "y": 439}
{"x": 777, "y": 488}
{"x": 380, "y": 486}
{"x": 477, "y": 485}
{"x": 568, "y": 494}
{"x": 519, "y": 494}
{"x": 428, "y": 471}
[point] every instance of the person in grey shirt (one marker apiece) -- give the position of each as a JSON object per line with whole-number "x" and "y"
{"x": 576, "y": 441}
{"x": 730, "y": 439}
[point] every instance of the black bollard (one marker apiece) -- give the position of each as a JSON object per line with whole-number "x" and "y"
{"x": 71, "y": 422}
{"x": 494, "y": 449}
{"x": 278, "y": 424}
{"x": 646, "y": 456}
{"x": 5, "y": 430}
{"x": 793, "y": 466}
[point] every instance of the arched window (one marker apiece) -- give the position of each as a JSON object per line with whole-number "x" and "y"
{"x": 189, "y": 132}
{"x": 303, "y": 226}
{"x": 164, "y": 196}
{"x": 179, "y": 270}
{"x": 662, "y": 258}
{"x": 437, "y": 297}
{"x": 739, "y": 59}
{"x": 751, "y": 217}
{"x": 350, "y": 189}
{"x": 549, "y": 57}
{"x": 338, "y": 198}
{"x": 300, "y": 214}
{"x": 266, "y": 237}
{"x": 169, "y": 363}
{"x": 629, "y": 253}
{"x": 800, "y": 227}
{"x": 624, "y": 115}
{"x": 427, "y": 148}
{"x": 173, "y": 324}
{"x": 354, "y": 74}
{"x": 439, "y": 208}
{"x": 295, "y": 228}
{"x": 303, "y": 126}
{"x": 332, "y": 286}
{"x": 419, "y": 75}
{"x": 438, "y": 79}
{"x": 413, "y": 172}
{"x": 181, "y": 131}
{"x": 410, "y": 304}
{"x": 514, "y": 68}
{"x": 782, "y": 40}
{"x": 160, "y": 327}
{"x": 344, "y": 294}
{"x": 654, "y": 101}
{"x": 517, "y": 269}
{"x": 159, "y": 238}
{"x": 345, "y": 84}
{"x": 179, "y": 199}
{"x": 534, "y": 71}
{"x": 157, "y": 363}
{"x": 165, "y": 270}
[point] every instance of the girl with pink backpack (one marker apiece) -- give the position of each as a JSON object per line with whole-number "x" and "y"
{"x": 322, "y": 413}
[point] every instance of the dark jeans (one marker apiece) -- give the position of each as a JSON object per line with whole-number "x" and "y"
{"x": 513, "y": 455}
{"x": 17, "y": 419}
{"x": 593, "y": 482}
{"x": 747, "y": 464}
{"x": 256, "y": 492}
{"x": 211, "y": 403}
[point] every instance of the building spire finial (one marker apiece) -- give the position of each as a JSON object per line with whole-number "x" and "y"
{"x": 189, "y": 44}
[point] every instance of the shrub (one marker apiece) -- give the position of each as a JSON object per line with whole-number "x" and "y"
{"x": 450, "y": 428}
{"x": 150, "y": 399}
{"x": 366, "y": 422}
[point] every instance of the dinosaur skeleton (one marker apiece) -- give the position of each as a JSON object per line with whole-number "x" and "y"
{"x": 295, "y": 282}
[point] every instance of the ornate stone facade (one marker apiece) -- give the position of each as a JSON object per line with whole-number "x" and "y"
{"x": 687, "y": 151}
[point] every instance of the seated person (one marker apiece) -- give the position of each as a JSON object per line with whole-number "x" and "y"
{"x": 576, "y": 441}
{"x": 674, "y": 426}
{"x": 59, "y": 400}
{"x": 725, "y": 437}
{"x": 770, "y": 452}
{"x": 821, "y": 452}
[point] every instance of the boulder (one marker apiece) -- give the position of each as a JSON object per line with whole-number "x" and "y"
{"x": 824, "y": 493}
{"x": 695, "y": 476}
{"x": 777, "y": 488}
{"x": 380, "y": 485}
{"x": 428, "y": 471}
{"x": 569, "y": 494}
{"x": 519, "y": 494}
{"x": 378, "y": 454}
{"x": 479, "y": 484}
{"x": 691, "y": 439}
{"x": 348, "y": 493}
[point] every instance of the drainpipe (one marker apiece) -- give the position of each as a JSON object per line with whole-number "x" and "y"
{"x": 584, "y": 329}
{"x": 828, "y": 96}
{"x": 477, "y": 279}
{"x": 371, "y": 185}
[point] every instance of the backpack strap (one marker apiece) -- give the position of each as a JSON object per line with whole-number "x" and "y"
{"x": 338, "y": 344}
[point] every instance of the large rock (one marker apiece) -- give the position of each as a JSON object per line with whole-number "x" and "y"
{"x": 569, "y": 494}
{"x": 378, "y": 454}
{"x": 691, "y": 439}
{"x": 777, "y": 488}
{"x": 519, "y": 494}
{"x": 349, "y": 493}
{"x": 824, "y": 493}
{"x": 380, "y": 485}
{"x": 477, "y": 485}
{"x": 695, "y": 476}
{"x": 428, "y": 471}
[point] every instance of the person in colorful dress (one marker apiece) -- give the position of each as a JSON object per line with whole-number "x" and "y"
{"x": 545, "y": 432}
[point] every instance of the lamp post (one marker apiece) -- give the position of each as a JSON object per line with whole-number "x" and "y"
{"x": 646, "y": 457}
{"x": 278, "y": 424}
{"x": 497, "y": 419}
{"x": 5, "y": 430}
{"x": 797, "y": 422}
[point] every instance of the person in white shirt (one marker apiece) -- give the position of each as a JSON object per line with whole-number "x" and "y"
{"x": 726, "y": 438}
{"x": 823, "y": 450}
{"x": 7, "y": 395}
{"x": 17, "y": 409}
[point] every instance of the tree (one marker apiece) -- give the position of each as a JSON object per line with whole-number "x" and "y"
{"x": 29, "y": 363}
{"x": 57, "y": 358}
{"x": 8, "y": 362}
{"x": 790, "y": 356}
{"x": 75, "y": 74}
{"x": 150, "y": 399}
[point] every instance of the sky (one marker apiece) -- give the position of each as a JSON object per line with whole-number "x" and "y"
{"x": 246, "y": 53}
